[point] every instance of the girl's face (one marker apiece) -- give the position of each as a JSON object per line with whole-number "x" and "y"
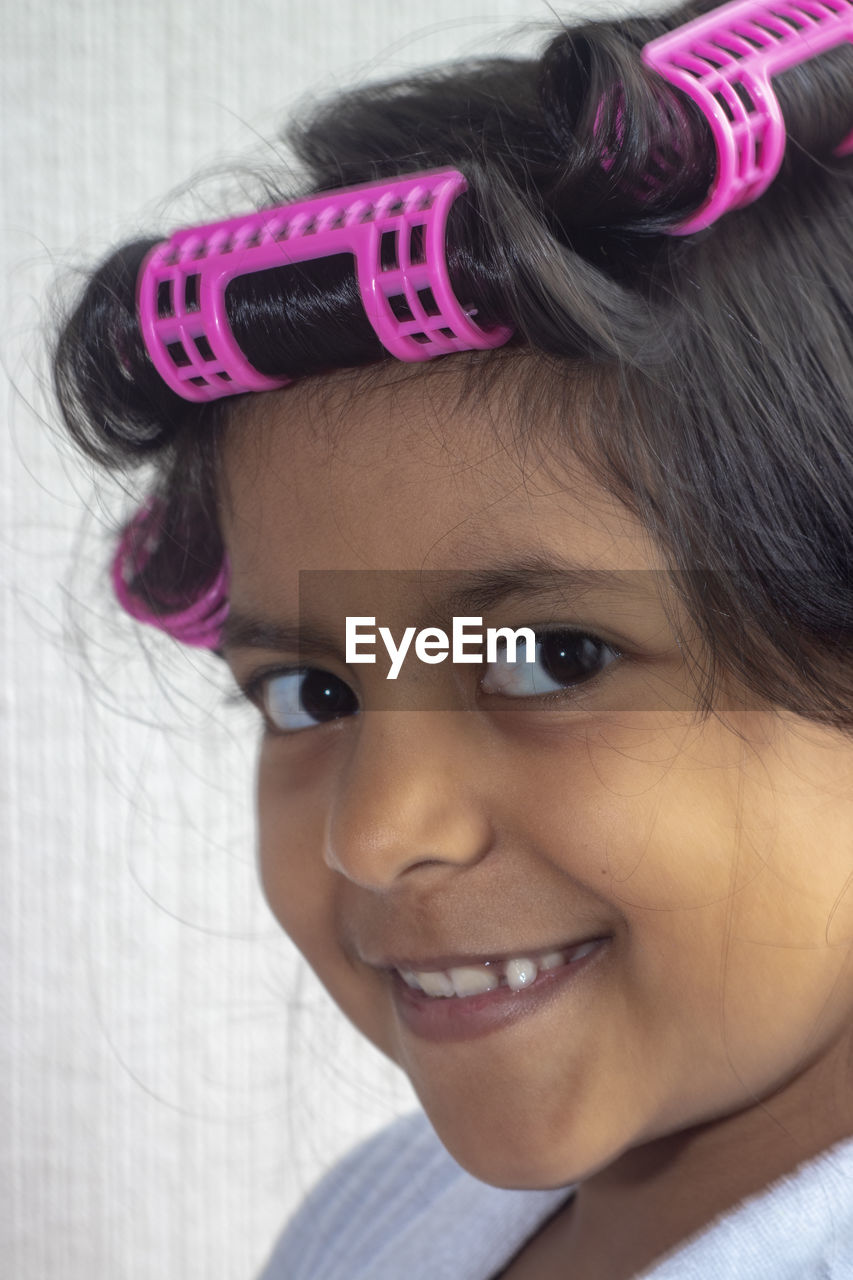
{"x": 473, "y": 813}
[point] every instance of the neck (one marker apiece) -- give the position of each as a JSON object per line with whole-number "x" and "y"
{"x": 659, "y": 1194}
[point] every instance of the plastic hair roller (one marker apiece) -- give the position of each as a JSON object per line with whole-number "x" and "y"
{"x": 394, "y": 229}
{"x": 724, "y": 61}
{"x": 396, "y": 233}
{"x": 200, "y": 622}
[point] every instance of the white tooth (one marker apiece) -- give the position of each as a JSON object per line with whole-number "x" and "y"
{"x": 520, "y": 973}
{"x": 583, "y": 950}
{"x": 470, "y": 981}
{"x": 553, "y": 960}
{"x": 435, "y": 983}
{"x": 409, "y": 978}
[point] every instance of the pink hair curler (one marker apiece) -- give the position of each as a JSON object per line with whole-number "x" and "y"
{"x": 200, "y": 622}
{"x": 724, "y": 62}
{"x": 396, "y": 231}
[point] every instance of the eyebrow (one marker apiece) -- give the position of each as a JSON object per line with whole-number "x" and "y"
{"x": 481, "y": 590}
{"x": 250, "y": 631}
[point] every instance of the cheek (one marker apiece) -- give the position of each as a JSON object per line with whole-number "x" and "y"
{"x": 732, "y": 879}
{"x": 296, "y": 881}
{"x": 644, "y": 811}
{"x": 304, "y": 894}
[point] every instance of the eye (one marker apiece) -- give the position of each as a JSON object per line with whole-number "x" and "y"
{"x": 301, "y": 698}
{"x": 563, "y": 658}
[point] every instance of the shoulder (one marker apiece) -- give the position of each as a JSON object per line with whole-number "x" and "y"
{"x": 343, "y": 1218}
{"x": 799, "y": 1228}
{"x": 400, "y": 1205}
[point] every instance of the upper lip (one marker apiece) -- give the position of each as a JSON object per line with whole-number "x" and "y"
{"x": 457, "y": 960}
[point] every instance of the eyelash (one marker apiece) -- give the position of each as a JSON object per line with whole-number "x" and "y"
{"x": 255, "y": 689}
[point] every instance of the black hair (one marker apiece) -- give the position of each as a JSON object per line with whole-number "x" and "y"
{"x": 717, "y": 368}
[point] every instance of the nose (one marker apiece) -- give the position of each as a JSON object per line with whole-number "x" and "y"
{"x": 407, "y": 798}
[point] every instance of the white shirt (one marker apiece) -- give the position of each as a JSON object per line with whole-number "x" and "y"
{"x": 399, "y": 1207}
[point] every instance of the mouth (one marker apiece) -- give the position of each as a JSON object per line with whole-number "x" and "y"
{"x": 473, "y": 978}
{"x": 464, "y": 1001}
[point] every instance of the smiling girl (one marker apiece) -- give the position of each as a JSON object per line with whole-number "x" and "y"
{"x": 598, "y": 906}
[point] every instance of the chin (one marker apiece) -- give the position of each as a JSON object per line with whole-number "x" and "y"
{"x": 523, "y": 1171}
{"x": 519, "y": 1157}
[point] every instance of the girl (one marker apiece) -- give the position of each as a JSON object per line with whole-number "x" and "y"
{"x": 591, "y": 892}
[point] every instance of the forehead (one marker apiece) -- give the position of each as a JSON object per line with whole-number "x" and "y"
{"x": 401, "y": 471}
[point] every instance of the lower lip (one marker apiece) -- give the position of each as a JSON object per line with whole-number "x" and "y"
{"x": 468, "y": 1017}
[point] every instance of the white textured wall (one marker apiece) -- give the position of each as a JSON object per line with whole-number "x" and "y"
{"x": 172, "y": 1078}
